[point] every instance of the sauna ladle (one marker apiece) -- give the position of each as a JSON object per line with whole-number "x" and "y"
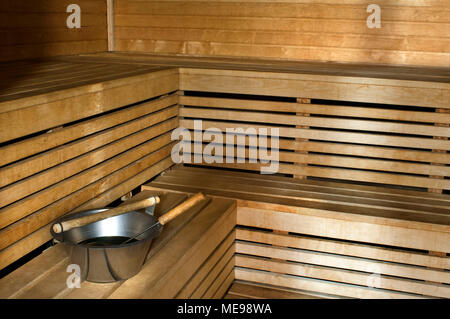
{"x": 81, "y": 221}
{"x": 174, "y": 212}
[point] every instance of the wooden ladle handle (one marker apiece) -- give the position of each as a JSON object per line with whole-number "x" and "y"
{"x": 184, "y": 206}
{"x": 78, "y": 222}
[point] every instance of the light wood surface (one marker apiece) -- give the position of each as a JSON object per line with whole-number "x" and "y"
{"x": 209, "y": 223}
{"x": 411, "y": 33}
{"x": 363, "y": 144}
{"x": 74, "y": 136}
{"x": 351, "y": 69}
{"x": 32, "y": 30}
{"x": 370, "y": 243}
{"x": 246, "y": 290}
{"x": 56, "y": 160}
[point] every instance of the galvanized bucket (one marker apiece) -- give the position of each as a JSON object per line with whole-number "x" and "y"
{"x": 110, "y": 261}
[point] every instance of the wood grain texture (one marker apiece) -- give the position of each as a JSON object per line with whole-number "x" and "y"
{"x": 411, "y": 33}
{"x": 16, "y": 151}
{"x": 245, "y": 290}
{"x": 34, "y": 30}
{"x": 21, "y": 122}
{"x": 382, "y": 223}
{"x": 93, "y": 156}
{"x": 385, "y": 144}
{"x": 182, "y": 257}
{"x": 210, "y": 221}
{"x": 98, "y": 195}
{"x": 350, "y": 89}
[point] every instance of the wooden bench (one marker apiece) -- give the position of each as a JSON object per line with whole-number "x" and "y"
{"x": 332, "y": 238}
{"x": 192, "y": 258}
{"x": 360, "y": 143}
{"x": 76, "y": 135}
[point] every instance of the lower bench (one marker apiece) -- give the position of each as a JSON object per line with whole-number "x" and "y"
{"x": 336, "y": 239}
{"x": 192, "y": 258}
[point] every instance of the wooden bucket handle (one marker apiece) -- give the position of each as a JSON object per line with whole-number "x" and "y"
{"x": 81, "y": 221}
{"x": 181, "y": 208}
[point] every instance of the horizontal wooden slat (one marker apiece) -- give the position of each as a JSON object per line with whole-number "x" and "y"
{"x": 68, "y": 79}
{"x": 315, "y": 159}
{"x": 13, "y": 20}
{"x": 285, "y": 24}
{"x": 41, "y": 36}
{"x": 359, "y": 70}
{"x": 243, "y": 289}
{"x": 96, "y": 142}
{"x": 349, "y": 212}
{"x": 173, "y": 37}
{"x": 425, "y": 3}
{"x": 346, "y": 174}
{"x": 342, "y": 276}
{"x": 285, "y": 191}
{"x": 343, "y": 248}
{"x": 32, "y": 72}
{"x": 419, "y": 75}
{"x": 40, "y": 143}
{"x": 281, "y": 10}
{"x": 348, "y": 111}
{"x": 37, "y": 182}
{"x": 51, "y": 49}
{"x": 348, "y": 230}
{"x": 350, "y": 263}
{"x": 314, "y": 87}
{"x": 193, "y": 48}
{"x": 314, "y": 285}
{"x": 17, "y": 123}
{"x": 330, "y": 135}
{"x": 91, "y": 6}
{"x": 333, "y": 123}
{"x": 36, "y": 98}
{"x": 241, "y": 181}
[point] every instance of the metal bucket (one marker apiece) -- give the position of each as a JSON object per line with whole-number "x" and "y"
{"x": 109, "y": 262}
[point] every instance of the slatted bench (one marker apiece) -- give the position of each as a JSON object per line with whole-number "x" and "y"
{"x": 192, "y": 258}
{"x": 76, "y": 135}
{"x": 331, "y": 238}
{"x": 364, "y": 147}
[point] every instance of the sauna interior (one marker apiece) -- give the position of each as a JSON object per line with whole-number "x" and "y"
{"x": 351, "y": 99}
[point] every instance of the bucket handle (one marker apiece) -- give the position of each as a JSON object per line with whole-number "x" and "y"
{"x": 184, "y": 206}
{"x": 81, "y": 221}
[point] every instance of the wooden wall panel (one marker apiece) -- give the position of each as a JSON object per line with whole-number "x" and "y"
{"x": 33, "y": 29}
{"x": 412, "y": 32}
